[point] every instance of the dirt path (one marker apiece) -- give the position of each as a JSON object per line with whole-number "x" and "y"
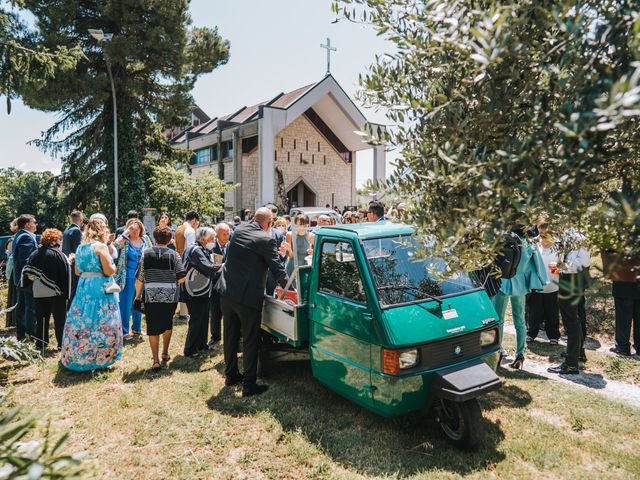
{"x": 594, "y": 382}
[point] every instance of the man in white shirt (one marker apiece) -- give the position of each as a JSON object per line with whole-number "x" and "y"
{"x": 573, "y": 275}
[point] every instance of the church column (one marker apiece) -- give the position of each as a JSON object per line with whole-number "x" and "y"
{"x": 270, "y": 123}
{"x": 379, "y": 163}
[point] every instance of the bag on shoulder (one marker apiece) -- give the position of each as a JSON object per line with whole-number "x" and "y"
{"x": 509, "y": 259}
{"x": 9, "y": 267}
{"x": 196, "y": 284}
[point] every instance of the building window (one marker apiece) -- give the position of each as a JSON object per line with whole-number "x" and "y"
{"x": 214, "y": 156}
{"x": 325, "y": 159}
{"x": 313, "y": 158}
{"x": 318, "y": 146}
{"x": 275, "y": 155}
{"x": 300, "y": 157}
{"x": 294, "y": 143}
{"x": 281, "y": 142}
{"x": 288, "y": 156}
{"x": 227, "y": 149}
{"x": 201, "y": 156}
{"x": 307, "y": 146}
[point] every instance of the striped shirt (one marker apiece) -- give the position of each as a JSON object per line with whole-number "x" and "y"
{"x": 160, "y": 270}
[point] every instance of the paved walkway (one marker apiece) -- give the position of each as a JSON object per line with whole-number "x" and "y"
{"x": 594, "y": 382}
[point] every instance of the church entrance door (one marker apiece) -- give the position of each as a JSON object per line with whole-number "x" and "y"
{"x": 301, "y": 196}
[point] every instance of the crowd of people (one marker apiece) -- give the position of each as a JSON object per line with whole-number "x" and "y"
{"x": 96, "y": 285}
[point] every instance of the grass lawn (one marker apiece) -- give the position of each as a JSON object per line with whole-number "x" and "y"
{"x": 183, "y": 423}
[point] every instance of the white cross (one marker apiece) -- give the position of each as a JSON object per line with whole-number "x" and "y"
{"x": 329, "y": 49}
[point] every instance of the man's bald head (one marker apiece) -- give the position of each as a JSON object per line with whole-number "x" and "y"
{"x": 263, "y": 217}
{"x": 324, "y": 220}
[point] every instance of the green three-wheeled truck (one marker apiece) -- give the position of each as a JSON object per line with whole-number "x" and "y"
{"x": 385, "y": 330}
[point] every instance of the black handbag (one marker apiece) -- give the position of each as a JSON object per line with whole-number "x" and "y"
{"x": 138, "y": 305}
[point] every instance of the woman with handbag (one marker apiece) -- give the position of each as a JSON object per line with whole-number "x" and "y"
{"x": 130, "y": 246}
{"x": 50, "y": 273}
{"x": 160, "y": 273}
{"x": 93, "y": 331}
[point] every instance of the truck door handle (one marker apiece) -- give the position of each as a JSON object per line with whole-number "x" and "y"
{"x": 367, "y": 316}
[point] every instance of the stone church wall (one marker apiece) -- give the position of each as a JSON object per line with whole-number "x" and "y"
{"x": 249, "y": 180}
{"x": 302, "y": 151}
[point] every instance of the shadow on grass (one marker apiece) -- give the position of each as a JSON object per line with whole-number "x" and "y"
{"x": 352, "y": 436}
{"x": 68, "y": 378}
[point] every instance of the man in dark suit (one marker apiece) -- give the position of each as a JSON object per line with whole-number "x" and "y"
{"x": 71, "y": 239}
{"x": 252, "y": 251}
{"x": 223, "y": 232}
{"x": 24, "y": 245}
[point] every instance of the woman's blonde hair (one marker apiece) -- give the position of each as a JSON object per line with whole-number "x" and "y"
{"x": 138, "y": 222}
{"x": 280, "y": 222}
{"x": 95, "y": 230}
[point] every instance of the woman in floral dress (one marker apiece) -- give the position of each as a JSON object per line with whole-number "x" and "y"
{"x": 93, "y": 330}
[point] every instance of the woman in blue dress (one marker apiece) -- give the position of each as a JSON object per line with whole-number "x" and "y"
{"x": 93, "y": 331}
{"x": 130, "y": 246}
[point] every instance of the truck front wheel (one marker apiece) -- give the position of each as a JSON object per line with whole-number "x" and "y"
{"x": 460, "y": 421}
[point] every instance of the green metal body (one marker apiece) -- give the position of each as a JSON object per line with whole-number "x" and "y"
{"x": 346, "y": 338}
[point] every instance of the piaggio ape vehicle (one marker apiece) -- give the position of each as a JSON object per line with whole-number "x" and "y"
{"x": 384, "y": 330}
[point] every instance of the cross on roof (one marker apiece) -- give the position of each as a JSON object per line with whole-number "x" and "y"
{"x": 329, "y": 49}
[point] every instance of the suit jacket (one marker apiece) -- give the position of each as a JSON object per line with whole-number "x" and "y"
{"x": 24, "y": 244}
{"x": 71, "y": 239}
{"x": 251, "y": 253}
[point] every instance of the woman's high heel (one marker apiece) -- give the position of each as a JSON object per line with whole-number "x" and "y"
{"x": 517, "y": 363}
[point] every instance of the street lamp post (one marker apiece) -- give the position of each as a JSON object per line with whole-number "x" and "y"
{"x": 101, "y": 37}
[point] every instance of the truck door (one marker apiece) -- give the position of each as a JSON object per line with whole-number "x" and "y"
{"x": 340, "y": 322}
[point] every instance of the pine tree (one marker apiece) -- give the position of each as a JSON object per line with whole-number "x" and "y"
{"x": 155, "y": 57}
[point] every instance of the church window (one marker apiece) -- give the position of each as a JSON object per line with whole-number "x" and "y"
{"x": 307, "y": 145}
{"x": 294, "y": 143}
{"x": 275, "y": 155}
{"x": 281, "y": 142}
{"x": 288, "y": 156}
{"x": 300, "y": 157}
{"x": 318, "y": 146}
{"x": 201, "y": 156}
{"x": 325, "y": 159}
{"x": 313, "y": 158}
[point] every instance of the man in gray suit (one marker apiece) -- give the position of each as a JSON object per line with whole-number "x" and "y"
{"x": 252, "y": 252}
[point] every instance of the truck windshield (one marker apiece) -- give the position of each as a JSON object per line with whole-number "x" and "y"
{"x": 402, "y": 272}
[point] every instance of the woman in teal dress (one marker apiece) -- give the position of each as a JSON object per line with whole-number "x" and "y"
{"x": 93, "y": 331}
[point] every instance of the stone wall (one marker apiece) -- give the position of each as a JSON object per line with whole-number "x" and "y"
{"x": 249, "y": 180}
{"x": 302, "y": 151}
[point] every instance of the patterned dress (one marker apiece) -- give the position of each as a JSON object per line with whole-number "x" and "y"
{"x": 93, "y": 330}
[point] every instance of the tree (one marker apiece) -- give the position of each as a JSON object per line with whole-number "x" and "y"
{"x": 36, "y": 193}
{"x": 155, "y": 58}
{"x": 23, "y": 63}
{"x": 177, "y": 191}
{"x": 504, "y": 109}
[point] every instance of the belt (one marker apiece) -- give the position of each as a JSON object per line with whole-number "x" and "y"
{"x": 91, "y": 274}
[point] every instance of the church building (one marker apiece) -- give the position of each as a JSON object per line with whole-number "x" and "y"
{"x": 295, "y": 149}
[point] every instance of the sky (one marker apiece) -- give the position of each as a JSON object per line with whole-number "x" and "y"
{"x": 275, "y": 47}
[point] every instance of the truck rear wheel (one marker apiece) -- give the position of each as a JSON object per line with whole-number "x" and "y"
{"x": 460, "y": 422}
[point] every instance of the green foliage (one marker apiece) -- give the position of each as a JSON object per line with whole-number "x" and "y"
{"x": 33, "y": 459}
{"x": 29, "y": 192}
{"x": 22, "y": 62}
{"x": 15, "y": 350}
{"x": 504, "y": 109}
{"x": 155, "y": 58}
{"x": 177, "y": 191}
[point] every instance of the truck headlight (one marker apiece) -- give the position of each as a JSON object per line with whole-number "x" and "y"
{"x": 488, "y": 337}
{"x": 408, "y": 358}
